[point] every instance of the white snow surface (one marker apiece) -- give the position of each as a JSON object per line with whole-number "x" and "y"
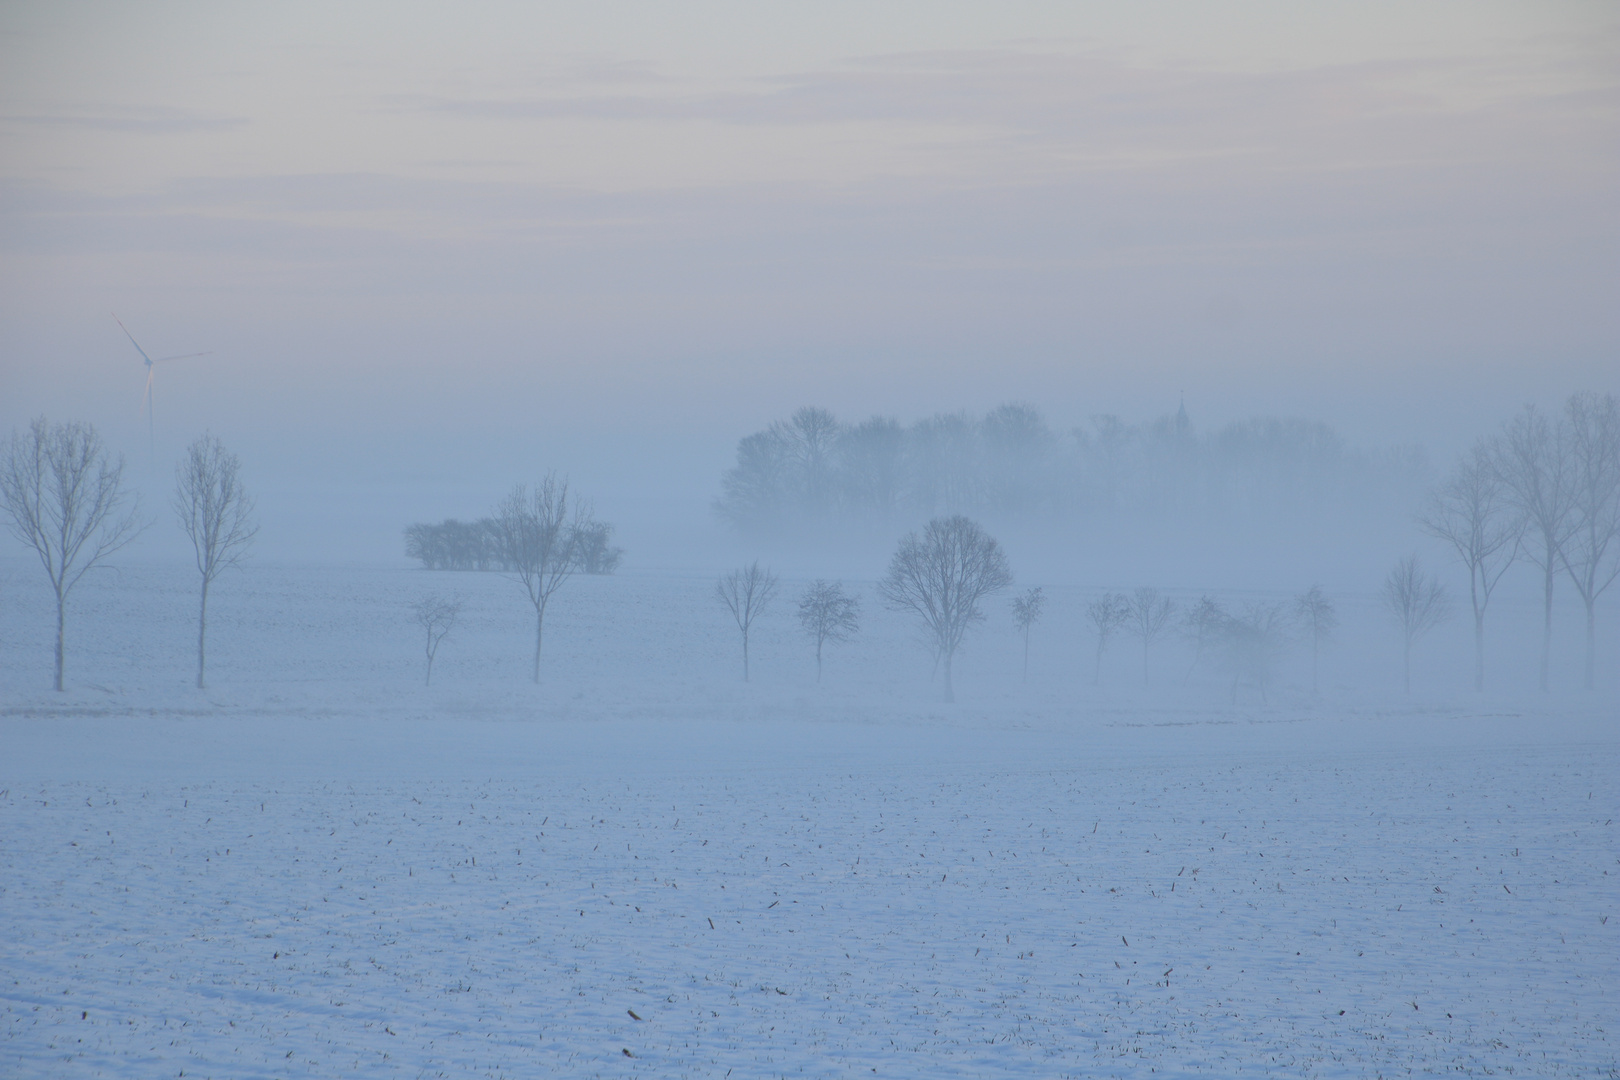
{"x": 319, "y": 868}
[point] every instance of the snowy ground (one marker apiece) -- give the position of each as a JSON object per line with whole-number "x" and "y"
{"x": 317, "y": 869}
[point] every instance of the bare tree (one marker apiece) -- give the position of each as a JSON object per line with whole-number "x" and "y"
{"x": 539, "y": 533}
{"x": 1317, "y": 616}
{"x": 1252, "y": 642}
{"x": 746, "y": 593}
{"x": 1532, "y": 458}
{"x": 1471, "y": 511}
{"x": 941, "y": 576}
{"x": 1149, "y": 619}
{"x": 217, "y": 516}
{"x": 437, "y": 617}
{"x": 65, "y": 499}
{"x": 1418, "y": 604}
{"x": 1203, "y": 625}
{"x": 1026, "y": 613}
{"x": 1109, "y": 614}
{"x": 1591, "y": 553}
{"x": 828, "y": 613}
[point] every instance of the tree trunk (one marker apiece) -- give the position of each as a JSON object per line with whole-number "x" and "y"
{"x": 1026, "y": 655}
{"x": 745, "y": 656}
{"x": 61, "y": 621}
{"x": 1406, "y": 665}
{"x": 202, "y": 632}
{"x": 1144, "y": 663}
{"x": 1546, "y": 628}
{"x": 1479, "y": 652}
{"x": 1316, "y": 648}
{"x": 950, "y": 693}
{"x": 540, "y": 627}
{"x": 429, "y": 650}
{"x": 1591, "y": 639}
{"x": 818, "y": 660}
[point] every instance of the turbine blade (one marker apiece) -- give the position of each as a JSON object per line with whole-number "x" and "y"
{"x": 183, "y": 356}
{"x": 132, "y": 340}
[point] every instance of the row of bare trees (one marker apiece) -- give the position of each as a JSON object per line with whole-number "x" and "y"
{"x": 1247, "y": 641}
{"x": 479, "y": 545}
{"x": 1546, "y": 490}
{"x": 813, "y": 471}
{"x": 941, "y": 576}
{"x": 65, "y": 500}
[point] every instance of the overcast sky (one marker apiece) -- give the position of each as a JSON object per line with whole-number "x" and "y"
{"x": 433, "y": 249}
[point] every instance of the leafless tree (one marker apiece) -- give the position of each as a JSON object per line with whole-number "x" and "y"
{"x": 1026, "y": 613}
{"x": 1418, "y": 604}
{"x": 539, "y": 533}
{"x": 217, "y": 516}
{"x": 828, "y": 613}
{"x": 1150, "y": 618}
{"x": 65, "y": 499}
{"x": 1532, "y": 457}
{"x": 1318, "y": 618}
{"x": 437, "y": 617}
{"x": 1252, "y": 642}
{"x": 1203, "y": 625}
{"x": 1472, "y": 512}
{"x": 1109, "y": 614}
{"x": 941, "y": 576}
{"x": 746, "y": 593}
{"x": 1591, "y": 553}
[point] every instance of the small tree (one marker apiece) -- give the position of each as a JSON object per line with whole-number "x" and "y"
{"x": 827, "y": 613}
{"x": 1252, "y": 643}
{"x": 1318, "y": 618}
{"x": 1470, "y": 511}
{"x": 1026, "y": 613}
{"x": 941, "y": 577}
{"x": 217, "y": 516}
{"x": 1150, "y": 616}
{"x": 1532, "y": 457}
{"x": 1109, "y": 614}
{"x": 1591, "y": 553}
{"x": 1203, "y": 625}
{"x": 437, "y": 617}
{"x": 1418, "y": 604}
{"x": 538, "y": 532}
{"x": 746, "y": 593}
{"x": 64, "y": 497}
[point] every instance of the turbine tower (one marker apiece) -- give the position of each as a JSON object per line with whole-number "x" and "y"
{"x": 151, "y": 365}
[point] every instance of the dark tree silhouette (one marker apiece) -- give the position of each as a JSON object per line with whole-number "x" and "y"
{"x": 1591, "y": 553}
{"x": 64, "y": 497}
{"x": 1532, "y": 457}
{"x": 217, "y": 516}
{"x": 1471, "y": 512}
{"x": 827, "y": 613}
{"x": 1026, "y": 613}
{"x": 941, "y": 577}
{"x": 1150, "y": 616}
{"x": 746, "y": 593}
{"x": 1109, "y": 614}
{"x": 539, "y": 534}
{"x": 1418, "y": 604}
{"x": 437, "y": 617}
{"x": 1318, "y": 619}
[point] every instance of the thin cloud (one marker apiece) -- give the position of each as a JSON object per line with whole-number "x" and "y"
{"x": 137, "y": 120}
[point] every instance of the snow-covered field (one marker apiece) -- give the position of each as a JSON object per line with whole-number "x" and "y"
{"x": 320, "y": 868}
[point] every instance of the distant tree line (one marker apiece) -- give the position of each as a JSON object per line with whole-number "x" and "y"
{"x": 813, "y": 469}
{"x": 479, "y": 545}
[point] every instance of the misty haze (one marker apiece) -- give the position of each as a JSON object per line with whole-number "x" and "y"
{"x": 905, "y": 540}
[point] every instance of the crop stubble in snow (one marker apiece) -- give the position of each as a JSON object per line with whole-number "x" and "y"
{"x": 1212, "y": 918}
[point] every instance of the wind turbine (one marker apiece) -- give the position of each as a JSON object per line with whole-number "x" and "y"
{"x": 151, "y": 431}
